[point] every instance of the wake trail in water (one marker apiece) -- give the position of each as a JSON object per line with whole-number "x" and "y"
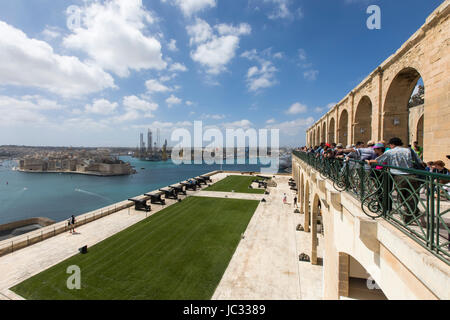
{"x": 93, "y": 194}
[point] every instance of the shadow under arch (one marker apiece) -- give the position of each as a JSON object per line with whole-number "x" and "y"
{"x": 343, "y": 128}
{"x": 331, "y": 128}
{"x": 356, "y": 281}
{"x": 362, "y": 130}
{"x": 395, "y": 108}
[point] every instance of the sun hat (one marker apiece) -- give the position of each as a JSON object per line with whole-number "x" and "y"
{"x": 378, "y": 146}
{"x": 339, "y": 145}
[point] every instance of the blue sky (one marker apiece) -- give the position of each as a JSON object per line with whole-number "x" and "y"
{"x": 130, "y": 65}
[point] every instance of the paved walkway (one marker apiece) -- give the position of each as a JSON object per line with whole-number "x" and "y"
{"x": 265, "y": 264}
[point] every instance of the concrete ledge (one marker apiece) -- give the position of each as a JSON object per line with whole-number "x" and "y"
{"x": 367, "y": 232}
{"x": 432, "y": 272}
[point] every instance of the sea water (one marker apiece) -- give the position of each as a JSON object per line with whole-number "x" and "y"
{"x": 58, "y": 196}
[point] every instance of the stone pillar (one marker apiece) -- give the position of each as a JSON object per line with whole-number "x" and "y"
{"x": 344, "y": 274}
{"x": 314, "y": 239}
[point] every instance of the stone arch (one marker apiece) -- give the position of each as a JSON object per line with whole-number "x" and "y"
{"x": 306, "y": 207}
{"x": 355, "y": 280}
{"x": 343, "y": 127}
{"x": 318, "y": 135}
{"x": 313, "y": 144}
{"x": 324, "y": 132}
{"x": 315, "y": 214}
{"x": 302, "y": 192}
{"x": 395, "y": 108}
{"x": 363, "y": 121}
{"x": 331, "y": 128}
{"x": 420, "y": 130}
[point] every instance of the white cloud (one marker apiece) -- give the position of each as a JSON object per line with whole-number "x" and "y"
{"x": 190, "y": 7}
{"x": 310, "y": 75}
{"x": 33, "y": 63}
{"x": 172, "y": 45}
{"x": 270, "y": 121}
{"x": 113, "y": 35}
{"x": 215, "y": 49}
{"x": 178, "y": 67}
{"x": 134, "y": 108}
{"x": 25, "y": 110}
{"x": 326, "y": 108}
{"x": 51, "y": 33}
{"x": 297, "y": 108}
{"x": 135, "y": 103}
{"x": 189, "y": 103}
{"x": 173, "y": 100}
{"x": 241, "y": 124}
{"x": 294, "y": 127}
{"x": 154, "y": 86}
{"x": 101, "y": 106}
{"x": 282, "y": 9}
{"x": 260, "y": 77}
{"x": 302, "y": 54}
{"x": 214, "y": 116}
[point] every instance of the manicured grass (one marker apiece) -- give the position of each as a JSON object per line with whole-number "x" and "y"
{"x": 180, "y": 253}
{"x": 239, "y": 184}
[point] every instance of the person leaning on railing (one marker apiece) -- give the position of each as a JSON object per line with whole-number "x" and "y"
{"x": 405, "y": 183}
{"x": 439, "y": 167}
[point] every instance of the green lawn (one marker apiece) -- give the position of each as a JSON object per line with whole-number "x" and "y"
{"x": 239, "y": 184}
{"x": 180, "y": 253}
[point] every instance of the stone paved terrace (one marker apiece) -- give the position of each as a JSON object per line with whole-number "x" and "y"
{"x": 264, "y": 266}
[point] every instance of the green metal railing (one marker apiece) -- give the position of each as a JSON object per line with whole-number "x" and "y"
{"x": 416, "y": 202}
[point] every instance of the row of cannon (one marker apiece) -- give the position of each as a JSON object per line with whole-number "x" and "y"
{"x": 171, "y": 192}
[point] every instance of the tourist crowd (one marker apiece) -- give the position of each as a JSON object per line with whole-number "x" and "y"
{"x": 377, "y": 155}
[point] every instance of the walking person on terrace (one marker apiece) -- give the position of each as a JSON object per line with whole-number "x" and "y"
{"x": 72, "y": 224}
{"x": 405, "y": 183}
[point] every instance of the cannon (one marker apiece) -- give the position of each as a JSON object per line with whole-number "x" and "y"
{"x": 170, "y": 193}
{"x": 262, "y": 184}
{"x": 155, "y": 198}
{"x": 206, "y": 178}
{"x": 201, "y": 181}
{"x": 180, "y": 189}
{"x": 140, "y": 205}
{"x": 189, "y": 186}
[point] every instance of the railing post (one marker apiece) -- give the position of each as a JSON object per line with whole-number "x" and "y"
{"x": 385, "y": 191}
{"x": 431, "y": 214}
{"x": 362, "y": 173}
{"x": 347, "y": 174}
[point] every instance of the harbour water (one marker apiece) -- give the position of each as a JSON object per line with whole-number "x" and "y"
{"x": 58, "y": 196}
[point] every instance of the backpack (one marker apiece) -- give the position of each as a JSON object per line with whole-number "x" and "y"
{"x": 417, "y": 163}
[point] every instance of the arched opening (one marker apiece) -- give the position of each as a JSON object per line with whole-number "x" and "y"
{"x": 419, "y": 131}
{"x": 318, "y": 136}
{"x": 313, "y": 144}
{"x": 331, "y": 129}
{"x": 324, "y": 133}
{"x": 401, "y": 98}
{"x": 306, "y": 207}
{"x": 363, "y": 121}
{"x": 343, "y": 128}
{"x": 317, "y": 231}
{"x": 355, "y": 282}
{"x": 302, "y": 193}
